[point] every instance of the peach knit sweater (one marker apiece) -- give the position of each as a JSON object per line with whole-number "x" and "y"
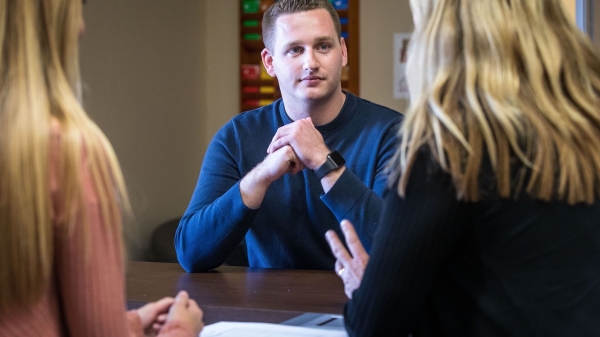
{"x": 86, "y": 296}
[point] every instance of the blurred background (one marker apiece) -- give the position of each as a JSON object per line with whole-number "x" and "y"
{"x": 161, "y": 77}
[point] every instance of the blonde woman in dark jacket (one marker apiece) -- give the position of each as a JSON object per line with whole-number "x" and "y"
{"x": 491, "y": 223}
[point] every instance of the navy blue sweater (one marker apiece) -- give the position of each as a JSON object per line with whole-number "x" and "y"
{"x": 287, "y": 231}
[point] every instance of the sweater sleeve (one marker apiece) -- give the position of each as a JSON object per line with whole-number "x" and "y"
{"x": 415, "y": 235}
{"x": 216, "y": 219}
{"x": 89, "y": 266}
{"x": 135, "y": 324}
{"x": 360, "y": 201}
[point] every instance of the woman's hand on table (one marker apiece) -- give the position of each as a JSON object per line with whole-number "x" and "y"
{"x": 185, "y": 309}
{"x": 350, "y": 266}
{"x": 155, "y": 315}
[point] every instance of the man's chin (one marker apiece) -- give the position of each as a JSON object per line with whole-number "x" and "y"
{"x": 315, "y": 94}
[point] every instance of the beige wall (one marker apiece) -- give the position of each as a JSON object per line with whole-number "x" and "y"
{"x": 596, "y": 25}
{"x": 222, "y": 64}
{"x": 161, "y": 77}
{"x": 379, "y": 20}
{"x": 143, "y": 70}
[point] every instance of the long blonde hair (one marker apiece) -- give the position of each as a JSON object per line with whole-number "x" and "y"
{"x": 39, "y": 85}
{"x": 508, "y": 80}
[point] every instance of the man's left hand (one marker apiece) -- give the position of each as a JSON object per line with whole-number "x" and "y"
{"x": 306, "y": 141}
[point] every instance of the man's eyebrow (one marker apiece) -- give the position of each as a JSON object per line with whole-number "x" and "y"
{"x": 317, "y": 39}
{"x": 291, "y": 43}
{"x": 324, "y": 38}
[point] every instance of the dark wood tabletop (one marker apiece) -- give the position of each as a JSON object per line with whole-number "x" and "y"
{"x": 239, "y": 293}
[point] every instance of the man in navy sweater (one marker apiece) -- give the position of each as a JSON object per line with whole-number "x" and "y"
{"x": 284, "y": 174}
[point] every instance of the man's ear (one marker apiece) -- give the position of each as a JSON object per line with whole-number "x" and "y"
{"x": 344, "y": 52}
{"x": 267, "y": 59}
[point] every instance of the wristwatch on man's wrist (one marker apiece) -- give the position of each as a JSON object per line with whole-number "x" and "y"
{"x": 334, "y": 161}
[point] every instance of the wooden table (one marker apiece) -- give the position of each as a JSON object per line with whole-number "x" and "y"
{"x": 239, "y": 293}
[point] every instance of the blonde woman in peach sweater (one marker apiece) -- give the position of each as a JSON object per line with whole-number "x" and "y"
{"x": 61, "y": 193}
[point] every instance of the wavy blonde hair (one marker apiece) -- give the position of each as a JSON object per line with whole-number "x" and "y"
{"x": 508, "y": 80}
{"x": 39, "y": 85}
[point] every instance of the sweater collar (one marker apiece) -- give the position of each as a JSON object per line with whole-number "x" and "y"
{"x": 346, "y": 113}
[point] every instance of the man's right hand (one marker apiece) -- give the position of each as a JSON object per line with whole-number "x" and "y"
{"x": 254, "y": 185}
{"x": 280, "y": 162}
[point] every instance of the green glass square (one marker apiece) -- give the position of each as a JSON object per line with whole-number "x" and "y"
{"x": 250, "y": 6}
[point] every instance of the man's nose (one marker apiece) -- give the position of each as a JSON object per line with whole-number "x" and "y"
{"x": 310, "y": 61}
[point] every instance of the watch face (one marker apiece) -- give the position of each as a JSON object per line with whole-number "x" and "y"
{"x": 337, "y": 158}
{"x": 334, "y": 161}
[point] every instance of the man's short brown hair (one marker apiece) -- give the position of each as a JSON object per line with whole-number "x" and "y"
{"x": 283, "y": 7}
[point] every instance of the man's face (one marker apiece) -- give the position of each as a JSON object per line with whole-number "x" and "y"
{"x": 307, "y": 57}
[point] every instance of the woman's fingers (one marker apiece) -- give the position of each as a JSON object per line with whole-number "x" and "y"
{"x": 337, "y": 248}
{"x": 353, "y": 241}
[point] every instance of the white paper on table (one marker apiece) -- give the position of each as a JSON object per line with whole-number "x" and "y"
{"x": 226, "y": 329}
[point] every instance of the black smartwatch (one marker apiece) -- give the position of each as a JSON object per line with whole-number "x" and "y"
{"x": 334, "y": 161}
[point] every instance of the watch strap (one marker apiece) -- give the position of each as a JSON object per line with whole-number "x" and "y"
{"x": 334, "y": 161}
